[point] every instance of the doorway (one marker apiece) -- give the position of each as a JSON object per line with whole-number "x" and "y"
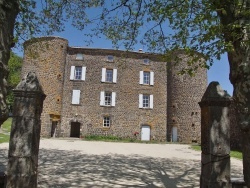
{"x": 174, "y": 134}
{"x": 53, "y": 129}
{"x": 75, "y": 129}
{"x": 145, "y": 133}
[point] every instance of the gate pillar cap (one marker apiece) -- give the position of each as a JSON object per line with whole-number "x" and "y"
{"x": 215, "y": 96}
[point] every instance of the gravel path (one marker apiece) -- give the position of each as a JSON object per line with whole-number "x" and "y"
{"x": 74, "y": 163}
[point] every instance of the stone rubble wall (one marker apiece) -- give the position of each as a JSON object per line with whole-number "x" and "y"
{"x": 184, "y": 93}
{"x": 46, "y": 57}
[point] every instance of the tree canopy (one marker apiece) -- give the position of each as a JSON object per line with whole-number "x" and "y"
{"x": 161, "y": 25}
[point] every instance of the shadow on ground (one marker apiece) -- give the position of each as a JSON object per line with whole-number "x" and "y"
{"x": 63, "y": 169}
{"x": 74, "y": 169}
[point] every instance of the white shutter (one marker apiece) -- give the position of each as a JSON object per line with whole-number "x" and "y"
{"x": 151, "y": 78}
{"x": 76, "y": 97}
{"x": 141, "y": 77}
{"x": 113, "y": 98}
{"x": 83, "y": 73}
{"x": 102, "y": 98}
{"x": 72, "y": 72}
{"x": 151, "y": 100}
{"x": 140, "y": 100}
{"x": 114, "y": 75}
{"x": 103, "y": 74}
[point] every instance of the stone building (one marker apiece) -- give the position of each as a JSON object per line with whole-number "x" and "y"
{"x": 112, "y": 92}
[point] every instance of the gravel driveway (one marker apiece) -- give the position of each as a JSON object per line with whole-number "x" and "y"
{"x": 74, "y": 163}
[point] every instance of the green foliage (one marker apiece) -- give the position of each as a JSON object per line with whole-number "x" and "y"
{"x": 14, "y": 67}
{"x": 162, "y": 26}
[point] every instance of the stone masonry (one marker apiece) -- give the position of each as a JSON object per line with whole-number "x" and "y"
{"x": 175, "y": 97}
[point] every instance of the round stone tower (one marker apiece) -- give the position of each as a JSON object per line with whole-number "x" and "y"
{"x": 46, "y": 57}
{"x": 183, "y": 94}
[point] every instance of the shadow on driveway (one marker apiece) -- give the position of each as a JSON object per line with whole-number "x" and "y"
{"x": 59, "y": 168}
{"x": 63, "y": 169}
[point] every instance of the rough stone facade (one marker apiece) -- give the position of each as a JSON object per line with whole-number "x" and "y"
{"x": 175, "y": 97}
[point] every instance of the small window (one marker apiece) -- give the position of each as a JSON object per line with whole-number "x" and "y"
{"x": 146, "y": 78}
{"x": 110, "y": 58}
{"x": 145, "y": 101}
{"x": 106, "y": 121}
{"x": 146, "y": 61}
{"x": 79, "y": 56}
{"x": 77, "y": 73}
{"x": 109, "y": 75}
{"x": 108, "y": 99}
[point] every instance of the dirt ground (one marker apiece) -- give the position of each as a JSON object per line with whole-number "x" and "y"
{"x": 74, "y": 163}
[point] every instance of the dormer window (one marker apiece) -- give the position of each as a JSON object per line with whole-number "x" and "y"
{"x": 146, "y": 61}
{"x": 79, "y": 56}
{"x": 110, "y": 58}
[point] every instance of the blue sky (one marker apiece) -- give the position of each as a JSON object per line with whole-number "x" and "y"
{"x": 218, "y": 72}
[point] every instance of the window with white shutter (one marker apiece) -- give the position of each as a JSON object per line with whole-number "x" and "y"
{"x": 76, "y": 96}
{"x": 146, "y": 78}
{"x": 146, "y": 101}
{"x": 77, "y": 73}
{"x": 107, "y": 98}
{"x": 109, "y": 75}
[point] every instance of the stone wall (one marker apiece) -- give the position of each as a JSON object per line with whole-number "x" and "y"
{"x": 126, "y": 117}
{"x": 176, "y": 97}
{"x": 184, "y": 93}
{"x": 46, "y": 57}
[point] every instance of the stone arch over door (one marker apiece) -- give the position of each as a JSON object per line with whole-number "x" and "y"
{"x": 145, "y": 132}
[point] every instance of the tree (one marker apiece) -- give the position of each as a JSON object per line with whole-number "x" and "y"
{"x": 14, "y": 77}
{"x": 208, "y": 26}
{"x": 9, "y": 10}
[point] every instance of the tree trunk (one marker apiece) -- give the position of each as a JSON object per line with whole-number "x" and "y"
{"x": 239, "y": 60}
{"x": 8, "y": 13}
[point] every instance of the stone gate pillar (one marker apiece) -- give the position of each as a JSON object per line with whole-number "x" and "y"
{"x": 25, "y": 134}
{"x": 215, "y": 138}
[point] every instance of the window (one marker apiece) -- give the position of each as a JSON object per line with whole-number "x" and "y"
{"x": 76, "y": 97}
{"x": 107, "y": 98}
{"x": 110, "y": 58}
{"x": 106, "y": 121}
{"x": 146, "y": 78}
{"x": 109, "y": 75}
{"x": 146, "y": 61}
{"x": 145, "y": 101}
{"x": 77, "y": 73}
{"x": 79, "y": 56}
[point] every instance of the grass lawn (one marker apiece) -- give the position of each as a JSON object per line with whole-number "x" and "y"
{"x": 235, "y": 154}
{"x": 7, "y": 125}
{"x": 4, "y": 136}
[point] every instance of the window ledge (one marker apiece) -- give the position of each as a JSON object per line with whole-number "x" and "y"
{"x": 105, "y": 128}
{"x": 108, "y": 106}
